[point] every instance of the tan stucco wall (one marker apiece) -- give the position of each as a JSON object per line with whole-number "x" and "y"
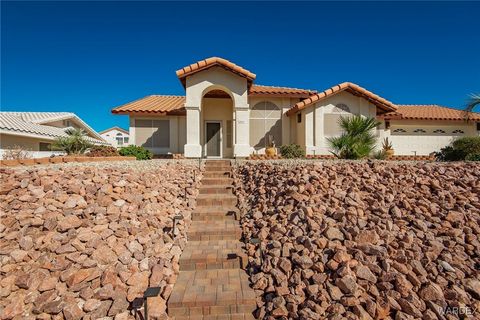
{"x": 28, "y": 144}
{"x": 177, "y": 133}
{"x": 313, "y": 125}
{"x": 410, "y": 143}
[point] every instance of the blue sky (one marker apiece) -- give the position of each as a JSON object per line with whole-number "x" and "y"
{"x": 87, "y": 57}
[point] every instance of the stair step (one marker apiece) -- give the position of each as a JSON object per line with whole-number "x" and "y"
{"x": 211, "y": 292}
{"x": 217, "y": 181}
{"x": 214, "y": 230}
{"x": 216, "y": 200}
{"x": 233, "y": 316}
{"x": 225, "y": 163}
{"x": 218, "y": 168}
{"x": 213, "y": 254}
{"x": 216, "y": 174}
{"x": 215, "y": 189}
{"x": 215, "y": 213}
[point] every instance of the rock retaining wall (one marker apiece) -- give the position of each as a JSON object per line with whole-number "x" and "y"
{"x": 362, "y": 240}
{"x": 82, "y": 241}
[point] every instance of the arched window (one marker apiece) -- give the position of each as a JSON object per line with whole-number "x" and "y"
{"x": 265, "y": 124}
{"x": 341, "y": 107}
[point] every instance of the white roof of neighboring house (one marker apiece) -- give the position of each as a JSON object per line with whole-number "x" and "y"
{"x": 32, "y": 124}
{"x": 114, "y": 128}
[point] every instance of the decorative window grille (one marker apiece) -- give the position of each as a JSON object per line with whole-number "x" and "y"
{"x": 419, "y": 131}
{"x": 458, "y": 131}
{"x": 439, "y": 131}
{"x": 399, "y": 130}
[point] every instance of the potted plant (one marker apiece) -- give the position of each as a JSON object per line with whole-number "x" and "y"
{"x": 388, "y": 148}
{"x": 271, "y": 151}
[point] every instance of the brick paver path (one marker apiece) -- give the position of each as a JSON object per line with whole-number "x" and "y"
{"x": 212, "y": 283}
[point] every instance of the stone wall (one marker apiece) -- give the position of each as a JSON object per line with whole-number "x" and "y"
{"x": 362, "y": 240}
{"x": 85, "y": 240}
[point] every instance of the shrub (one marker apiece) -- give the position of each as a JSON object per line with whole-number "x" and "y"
{"x": 138, "y": 152}
{"x": 74, "y": 143}
{"x": 380, "y": 155}
{"x": 16, "y": 153}
{"x": 460, "y": 149}
{"x": 473, "y": 157}
{"x": 292, "y": 151}
{"x": 103, "y": 151}
{"x": 357, "y": 140}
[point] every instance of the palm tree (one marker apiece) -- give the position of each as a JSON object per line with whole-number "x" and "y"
{"x": 74, "y": 143}
{"x": 357, "y": 140}
{"x": 473, "y": 101}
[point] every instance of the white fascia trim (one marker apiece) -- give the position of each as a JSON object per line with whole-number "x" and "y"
{"x": 28, "y": 135}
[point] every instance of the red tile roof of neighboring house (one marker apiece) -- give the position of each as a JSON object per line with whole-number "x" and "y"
{"x": 155, "y": 104}
{"x": 259, "y": 90}
{"x": 211, "y": 62}
{"x": 430, "y": 112}
{"x": 346, "y": 86}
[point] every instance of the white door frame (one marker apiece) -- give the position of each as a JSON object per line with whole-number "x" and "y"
{"x": 221, "y": 138}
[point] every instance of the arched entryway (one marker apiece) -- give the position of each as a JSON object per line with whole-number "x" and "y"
{"x": 217, "y": 124}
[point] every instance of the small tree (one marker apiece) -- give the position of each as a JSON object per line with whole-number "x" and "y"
{"x": 357, "y": 140}
{"x": 74, "y": 143}
{"x": 473, "y": 101}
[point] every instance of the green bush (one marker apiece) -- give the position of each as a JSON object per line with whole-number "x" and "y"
{"x": 103, "y": 151}
{"x": 138, "y": 152}
{"x": 292, "y": 151}
{"x": 473, "y": 157}
{"x": 357, "y": 140}
{"x": 74, "y": 143}
{"x": 379, "y": 155}
{"x": 460, "y": 149}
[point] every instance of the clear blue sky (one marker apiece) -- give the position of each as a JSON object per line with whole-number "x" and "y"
{"x": 88, "y": 57}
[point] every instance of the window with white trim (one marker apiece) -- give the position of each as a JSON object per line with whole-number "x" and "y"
{"x": 265, "y": 125}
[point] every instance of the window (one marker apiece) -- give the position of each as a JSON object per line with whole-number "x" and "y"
{"x": 419, "y": 131}
{"x": 152, "y": 133}
{"x": 399, "y": 130}
{"x": 265, "y": 124}
{"x": 299, "y": 117}
{"x": 67, "y": 123}
{"x": 387, "y": 124}
{"x": 341, "y": 107}
{"x": 44, "y": 146}
{"x": 439, "y": 131}
{"x": 478, "y": 126}
{"x": 229, "y": 133}
{"x": 458, "y": 131}
{"x": 119, "y": 139}
{"x": 125, "y": 140}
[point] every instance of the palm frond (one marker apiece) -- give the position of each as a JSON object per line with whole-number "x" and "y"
{"x": 472, "y": 102}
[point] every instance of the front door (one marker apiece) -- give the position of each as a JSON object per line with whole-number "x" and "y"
{"x": 213, "y": 139}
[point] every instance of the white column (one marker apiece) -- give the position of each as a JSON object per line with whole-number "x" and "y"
{"x": 242, "y": 132}
{"x": 310, "y": 131}
{"x": 193, "y": 149}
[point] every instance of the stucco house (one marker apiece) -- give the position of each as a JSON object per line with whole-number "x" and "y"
{"x": 34, "y": 132}
{"x": 116, "y": 136}
{"x": 225, "y": 114}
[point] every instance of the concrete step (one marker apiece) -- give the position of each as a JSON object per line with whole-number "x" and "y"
{"x": 216, "y": 174}
{"x": 215, "y": 189}
{"x": 211, "y": 292}
{"x": 213, "y": 163}
{"x": 233, "y": 316}
{"x": 217, "y": 181}
{"x": 218, "y": 168}
{"x": 215, "y": 213}
{"x": 213, "y": 254}
{"x": 214, "y": 230}
{"x": 216, "y": 200}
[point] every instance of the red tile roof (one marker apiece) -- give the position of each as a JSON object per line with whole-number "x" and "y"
{"x": 211, "y": 62}
{"x": 259, "y": 90}
{"x": 346, "y": 86}
{"x": 155, "y": 104}
{"x": 430, "y": 112}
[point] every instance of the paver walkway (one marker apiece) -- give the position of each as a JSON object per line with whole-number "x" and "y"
{"x": 212, "y": 283}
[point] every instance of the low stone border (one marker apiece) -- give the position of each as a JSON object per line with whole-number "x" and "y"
{"x": 52, "y": 160}
{"x": 331, "y": 157}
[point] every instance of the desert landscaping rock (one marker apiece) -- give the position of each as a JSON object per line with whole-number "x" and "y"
{"x": 81, "y": 241}
{"x": 361, "y": 239}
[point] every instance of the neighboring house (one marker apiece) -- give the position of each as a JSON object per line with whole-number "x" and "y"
{"x": 36, "y": 131}
{"x": 224, "y": 114}
{"x": 116, "y": 136}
